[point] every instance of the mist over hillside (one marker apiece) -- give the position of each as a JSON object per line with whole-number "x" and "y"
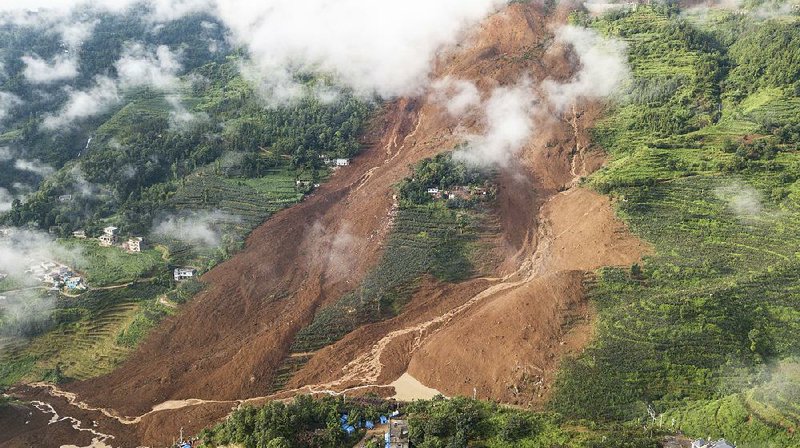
{"x": 449, "y": 223}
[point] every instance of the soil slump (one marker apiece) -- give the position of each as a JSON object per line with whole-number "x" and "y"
{"x": 500, "y": 337}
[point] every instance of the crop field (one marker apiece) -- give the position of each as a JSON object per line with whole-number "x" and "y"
{"x": 84, "y": 335}
{"x": 104, "y": 266}
{"x": 697, "y": 330}
{"x": 244, "y": 203}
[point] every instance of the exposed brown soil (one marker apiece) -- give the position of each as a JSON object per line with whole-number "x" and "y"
{"x": 502, "y": 335}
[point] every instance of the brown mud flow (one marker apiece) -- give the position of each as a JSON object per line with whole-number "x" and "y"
{"x": 500, "y": 337}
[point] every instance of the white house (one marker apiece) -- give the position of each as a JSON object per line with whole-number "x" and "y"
{"x": 65, "y": 198}
{"x": 433, "y": 190}
{"x": 341, "y": 162}
{"x": 109, "y": 236}
{"x": 79, "y": 234}
{"x": 134, "y": 244}
{"x": 183, "y": 273}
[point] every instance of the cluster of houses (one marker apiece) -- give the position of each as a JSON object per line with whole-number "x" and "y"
{"x": 461, "y": 192}
{"x": 110, "y": 238}
{"x": 395, "y": 436}
{"x": 57, "y": 275}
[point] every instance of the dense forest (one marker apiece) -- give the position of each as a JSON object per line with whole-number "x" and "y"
{"x": 123, "y": 164}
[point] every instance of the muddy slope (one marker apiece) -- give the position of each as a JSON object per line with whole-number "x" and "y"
{"x": 226, "y": 344}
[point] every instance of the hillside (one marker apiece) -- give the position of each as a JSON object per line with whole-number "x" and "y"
{"x": 616, "y": 268}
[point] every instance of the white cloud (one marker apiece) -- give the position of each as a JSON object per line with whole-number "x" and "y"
{"x": 22, "y": 11}
{"x": 509, "y": 125}
{"x": 24, "y": 247}
{"x": 6, "y": 154}
{"x": 85, "y": 103}
{"x": 383, "y": 47}
{"x": 7, "y": 101}
{"x": 33, "y": 166}
{"x": 375, "y": 47}
{"x": 60, "y": 68}
{"x": 137, "y": 67}
{"x": 458, "y": 96}
{"x": 180, "y": 117}
{"x": 197, "y": 228}
{"x": 75, "y": 33}
{"x": 6, "y": 198}
{"x": 140, "y": 67}
{"x": 742, "y": 199}
{"x": 603, "y": 67}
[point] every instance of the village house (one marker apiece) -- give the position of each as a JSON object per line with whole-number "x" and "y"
{"x": 79, "y": 234}
{"x": 180, "y": 274}
{"x": 74, "y": 283}
{"x": 109, "y": 236}
{"x": 65, "y": 198}
{"x": 56, "y": 275}
{"x": 397, "y": 434}
{"x": 134, "y": 244}
{"x": 341, "y": 162}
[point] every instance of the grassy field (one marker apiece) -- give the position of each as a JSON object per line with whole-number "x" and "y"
{"x": 711, "y": 314}
{"x": 105, "y": 266}
{"x": 89, "y": 335}
{"x": 243, "y": 202}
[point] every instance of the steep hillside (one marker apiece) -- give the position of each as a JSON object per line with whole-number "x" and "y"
{"x": 230, "y": 341}
{"x": 624, "y": 270}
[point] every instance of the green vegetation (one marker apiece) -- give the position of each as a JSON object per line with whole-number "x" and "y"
{"x": 238, "y": 139}
{"x": 443, "y": 173}
{"x": 234, "y": 162}
{"x": 304, "y": 422}
{"x": 241, "y": 204}
{"x": 84, "y": 336}
{"x": 436, "y": 423}
{"x": 103, "y": 266}
{"x": 712, "y": 184}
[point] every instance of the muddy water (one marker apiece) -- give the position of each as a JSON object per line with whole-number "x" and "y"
{"x": 98, "y": 438}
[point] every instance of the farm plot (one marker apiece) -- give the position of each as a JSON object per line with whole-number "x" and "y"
{"x": 83, "y": 340}
{"x": 238, "y": 205}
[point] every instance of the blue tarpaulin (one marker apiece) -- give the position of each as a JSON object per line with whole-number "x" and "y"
{"x": 384, "y": 420}
{"x": 350, "y": 429}
{"x": 369, "y": 424}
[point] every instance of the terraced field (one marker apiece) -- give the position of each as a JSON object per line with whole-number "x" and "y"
{"x": 83, "y": 340}
{"x": 243, "y": 204}
{"x": 698, "y": 331}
